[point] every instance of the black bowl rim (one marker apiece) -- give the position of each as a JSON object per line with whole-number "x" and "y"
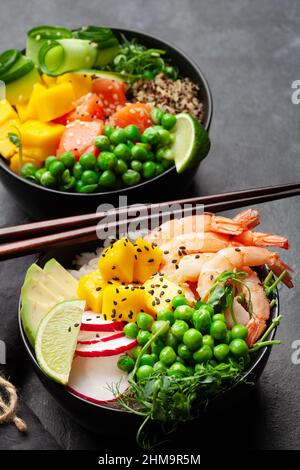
{"x": 143, "y": 183}
{"x": 274, "y": 313}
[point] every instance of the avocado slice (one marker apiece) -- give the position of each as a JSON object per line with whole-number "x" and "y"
{"x": 101, "y": 74}
{"x": 21, "y": 89}
{"x": 61, "y": 275}
{"x": 52, "y": 281}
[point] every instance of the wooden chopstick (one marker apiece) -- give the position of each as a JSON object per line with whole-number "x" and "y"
{"x": 89, "y": 233}
{"x": 8, "y": 234}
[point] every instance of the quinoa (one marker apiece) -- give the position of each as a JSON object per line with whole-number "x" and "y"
{"x": 172, "y": 96}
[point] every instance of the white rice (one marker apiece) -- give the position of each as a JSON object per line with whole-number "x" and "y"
{"x": 85, "y": 263}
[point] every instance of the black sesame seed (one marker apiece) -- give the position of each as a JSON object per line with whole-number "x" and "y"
{"x": 123, "y": 300}
{"x": 76, "y": 325}
{"x": 174, "y": 261}
{"x": 98, "y": 289}
{"x": 166, "y": 252}
{"x": 115, "y": 302}
{"x": 151, "y": 292}
{"x": 104, "y": 316}
{"x": 69, "y": 329}
{"x": 139, "y": 250}
{"x": 117, "y": 291}
{"x": 237, "y": 249}
{"x": 151, "y": 260}
{"x": 197, "y": 256}
{"x": 88, "y": 319}
{"x": 168, "y": 300}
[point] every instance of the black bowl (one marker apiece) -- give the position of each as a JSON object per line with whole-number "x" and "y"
{"x": 40, "y": 202}
{"x": 113, "y": 421}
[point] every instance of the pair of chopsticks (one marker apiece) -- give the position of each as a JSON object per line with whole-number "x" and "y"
{"x": 24, "y": 239}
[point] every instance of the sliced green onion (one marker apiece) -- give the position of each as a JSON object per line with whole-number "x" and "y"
{"x": 66, "y": 55}
{"x": 36, "y": 37}
{"x": 7, "y": 60}
{"x": 104, "y": 37}
{"x": 20, "y": 68}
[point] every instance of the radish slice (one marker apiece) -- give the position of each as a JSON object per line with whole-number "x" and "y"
{"x": 95, "y": 322}
{"x": 106, "y": 348}
{"x": 91, "y": 337}
{"x": 90, "y": 378}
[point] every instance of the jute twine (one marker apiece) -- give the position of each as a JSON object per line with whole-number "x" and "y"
{"x": 8, "y": 408}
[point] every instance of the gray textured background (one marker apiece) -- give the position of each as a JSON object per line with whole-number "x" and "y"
{"x": 249, "y": 52}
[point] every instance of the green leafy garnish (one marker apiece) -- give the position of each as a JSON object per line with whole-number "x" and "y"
{"x": 16, "y": 139}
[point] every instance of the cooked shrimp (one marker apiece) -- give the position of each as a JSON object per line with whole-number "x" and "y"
{"x": 260, "y": 308}
{"x": 206, "y": 222}
{"x": 249, "y": 238}
{"x": 232, "y": 258}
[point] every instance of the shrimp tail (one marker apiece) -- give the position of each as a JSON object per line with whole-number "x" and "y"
{"x": 256, "y": 327}
{"x": 249, "y": 238}
{"x": 249, "y": 217}
{"x": 227, "y": 226}
{"x": 278, "y": 266}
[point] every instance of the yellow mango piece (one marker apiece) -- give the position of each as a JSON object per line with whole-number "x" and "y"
{"x": 7, "y": 112}
{"x": 159, "y": 292}
{"x": 40, "y": 139}
{"x": 7, "y": 148}
{"x": 31, "y": 111}
{"x": 147, "y": 260}
{"x": 22, "y": 110}
{"x": 55, "y": 102}
{"x": 14, "y": 162}
{"x": 48, "y": 80}
{"x": 116, "y": 261}
{"x": 90, "y": 289}
{"x": 123, "y": 303}
{"x": 82, "y": 84}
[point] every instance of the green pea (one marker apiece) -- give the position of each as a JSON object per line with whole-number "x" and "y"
{"x": 147, "y": 360}
{"x": 108, "y": 130}
{"x": 178, "y": 370}
{"x": 167, "y": 163}
{"x": 122, "y": 151}
{"x": 159, "y": 169}
{"x": 168, "y": 121}
{"x": 179, "y": 328}
{"x": 150, "y": 136}
{"x": 208, "y": 340}
{"x": 131, "y": 177}
{"x": 125, "y": 363}
{"x": 107, "y": 179}
{"x": 157, "y": 325}
{"x": 136, "y": 165}
{"x": 102, "y": 142}
{"x": 163, "y": 137}
{"x": 219, "y": 316}
{"x": 156, "y": 347}
{"x": 29, "y": 170}
{"x": 179, "y": 300}
{"x": 48, "y": 161}
{"x": 120, "y": 167}
{"x": 144, "y": 321}
{"x": 144, "y": 372}
{"x": 192, "y": 339}
{"x": 106, "y": 161}
{"x": 172, "y": 341}
{"x": 68, "y": 180}
{"x": 221, "y": 352}
{"x": 166, "y": 315}
{"x": 89, "y": 177}
{"x": 201, "y": 320}
{"x": 218, "y": 330}
{"x": 167, "y": 356}
{"x": 238, "y": 347}
{"x": 206, "y": 308}
{"x": 184, "y": 352}
{"x": 68, "y": 159}
{"x": 87, "y": 188}
{"x": 87, "y": 161}
{"x": 239, "y": 331}
{"x": 143, "y": 337}
{"x": 203, "y": 354}
{"x": 139, "y": 152}
{"x": 118, "y": 136}
{"x": 79, "y": 185}
{"x": 38, "y": 174}
{"x": 171, "y": 72}
{"x": 148, "y": 74}
{"x": 148, "y": 170}
{"x": 132, "y": 132}
{"x": 156, "y": 115}
{"x": 77, "y": 170}
{"x": 159, "y": 367}
{"x": 150, "y": 156}
{"x": 48, "y": 180}
{"x": 131, "y": 330}
{"x": 228, "y": 337}
{"x": 166, "y": 153}
{"x": 183, "y": 312}
{"x": 134, "y": 352}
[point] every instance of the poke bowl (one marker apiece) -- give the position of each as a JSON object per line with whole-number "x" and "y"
{"x": 163, "y": 81}
{"x": 89, "y": 396}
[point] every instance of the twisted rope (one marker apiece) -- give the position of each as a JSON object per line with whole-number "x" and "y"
{"x": 8, "y": 409}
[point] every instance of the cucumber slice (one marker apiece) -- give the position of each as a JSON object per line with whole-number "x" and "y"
{"x": 106, "y": 56}
{"x": 20, "y": 68}
{"x": 36, "y": 37}
{"x": 7, "y": 60}
{"x": 191, "y": 142}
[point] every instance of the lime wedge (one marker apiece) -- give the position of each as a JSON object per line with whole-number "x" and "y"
{"x": 191, "y": 142}
{"x": 57, "y": 337}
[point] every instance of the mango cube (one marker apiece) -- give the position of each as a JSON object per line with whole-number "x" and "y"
{"x": 30, "y": 111}
{"x": 41, "y": 139}
{"x": 147, "y": 260}
{"x": 116, "y": 261}
{"x": 48, "y": 80}
{"x": 123, "y": 303}
{"x": 7, "y": 148}
{"x": 7, "y": 112}
{"x": 90, "y": 289}
{"x": 159, "y": 292}
{"x": 82, "y": 84}
{"x": 55, "y": 102}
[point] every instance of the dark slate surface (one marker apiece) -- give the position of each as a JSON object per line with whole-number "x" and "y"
{"x": 249, "y": 51}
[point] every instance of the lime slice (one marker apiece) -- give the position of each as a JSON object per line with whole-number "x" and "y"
{"x": 57, "y": 337}
{"x": 191, "y": 142}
